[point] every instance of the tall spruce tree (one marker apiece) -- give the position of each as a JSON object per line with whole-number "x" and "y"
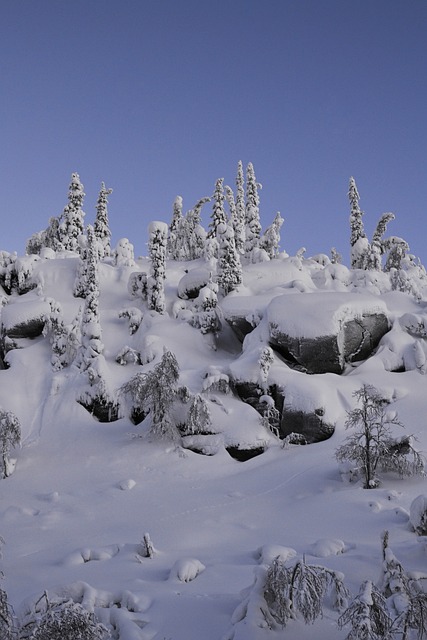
{"x": 270, "y": 240}
{"x": 218, "y": 215}
{"x": 229, "y": 268}
{"x": 252, "y": 219}
{"x": 240, "y": 209}
{"x": 158, "y": 233}
{"x": 360, "y": 247}
{"x": 72, "y": 219}
{"x": 101, "y": 226}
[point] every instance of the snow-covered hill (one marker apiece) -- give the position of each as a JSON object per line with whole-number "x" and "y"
{"x": 83, "y": 493}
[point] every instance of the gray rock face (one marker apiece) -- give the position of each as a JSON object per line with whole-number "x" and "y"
{"x": 355, "y": 341}
{"x": 309, "y": 425}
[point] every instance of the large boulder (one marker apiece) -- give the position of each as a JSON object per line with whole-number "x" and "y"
{"x": 24, "y": 319}
{"x": 321, "y": 332}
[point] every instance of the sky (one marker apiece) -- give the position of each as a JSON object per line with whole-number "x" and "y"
{"x": 160, "y": 98}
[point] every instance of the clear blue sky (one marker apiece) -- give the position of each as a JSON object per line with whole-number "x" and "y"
{"x": 162, "y": 97}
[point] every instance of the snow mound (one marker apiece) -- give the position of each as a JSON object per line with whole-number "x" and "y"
{"x": 186, "y": 569}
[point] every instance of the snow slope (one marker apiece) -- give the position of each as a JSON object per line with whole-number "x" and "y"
{"x": 83, "y": 494}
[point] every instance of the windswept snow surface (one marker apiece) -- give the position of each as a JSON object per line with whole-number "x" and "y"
{"x": 83, "y": 494}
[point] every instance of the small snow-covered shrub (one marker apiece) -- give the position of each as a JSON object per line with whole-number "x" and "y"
{"x": 134, "y": 317}
{"x": 301, "y": 589}
{"x": 187, "y": 569}
{"x": 137, "y": 285}
{"x": 124, "y": 254}
{"x": 418, "y": 515}
{"x": 65, "y": 620}
{"x": 10, "y": 436}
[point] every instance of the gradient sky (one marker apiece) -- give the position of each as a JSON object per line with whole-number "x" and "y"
{"x": 162, "y": 97}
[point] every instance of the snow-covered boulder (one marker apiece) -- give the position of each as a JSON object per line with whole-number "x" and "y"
{"x": 24, "y": 319}
{"x": 320, "y": 332}
{"x": 190, "y": 284}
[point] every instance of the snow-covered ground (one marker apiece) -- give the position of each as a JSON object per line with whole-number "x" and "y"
{"x": 83, "y": 494}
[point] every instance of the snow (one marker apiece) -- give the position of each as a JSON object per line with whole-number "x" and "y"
{"x": 83, "y": 493}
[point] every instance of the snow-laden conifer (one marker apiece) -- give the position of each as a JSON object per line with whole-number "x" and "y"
{"x": 252, "y": 217}
{"x": 205, "y": 309}
{"x": 378, "y": 246}
{"x": 358, "y": 240}
{"x": 124, "y": 253}
{"x": 199, "y": 419}
{"x": 158, "y": 233}
{"x": 72, "y": 220}
{"x": 101, "y": 225}
{"x": 240, "y": 209}
{"x": 229, "y": 268}
{"x": 270, "y": 240}
{"x": 174, "y": 229}
{"x": 218, "y": 215}
{"x": 153, "y": 394}
{"x": 237, "y": 222}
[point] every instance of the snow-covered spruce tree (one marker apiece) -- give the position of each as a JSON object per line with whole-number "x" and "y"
{"x": 153, "y": 394}
{"x": 229, "y": 268}
{"x": 199, "y": 421}
{"x": 205, "y": 309}
{"x": 300, "y": 590}
{"x": 368, "y": 615}
{"x": 72, "y": 220}
{"x": 10, "y": 437}
{"x": 252, "y": 219}
{"x": 378, "y": 246}
{"x": 270, "y": 240}
{"x": 265, "y": 361}
{"x": 396, "y": 249}
{"x": 124, "y": 253}
{"x": 239, "y": 231}
{"x": 360, "y": 248}
{"x": 218, "y": 215}
{"x": 158, "y": 234}
{"x": 236, "y": 221}
{"x": 174, "y": 227}
{"x": 192, "y": 241}
{"x": 101, "y": 225}
{"x": 371, "y": 445}
{"x": 58, "y": 334}
{"x": 88, "y": 263}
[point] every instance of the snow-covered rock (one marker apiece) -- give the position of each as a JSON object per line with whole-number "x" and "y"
{"x": 320, "y": 332}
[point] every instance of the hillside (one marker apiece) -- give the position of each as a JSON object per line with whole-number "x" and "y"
{"x": 221, "y": 495}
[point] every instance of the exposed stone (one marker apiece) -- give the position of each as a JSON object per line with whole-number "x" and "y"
{"x": 190, "y": 284}
{"x": 309, "y": 425}
{"x": 323, "y": 331}
{"x": 103, "y": 411}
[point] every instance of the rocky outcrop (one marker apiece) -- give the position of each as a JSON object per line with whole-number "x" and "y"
{"x": 190, "y": 284}
{"x": 311, "y": 426}
{"x": 320, "y": 344}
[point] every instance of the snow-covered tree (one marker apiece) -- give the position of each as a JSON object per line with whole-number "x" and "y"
{"x": 124, "y": 254}
{"x": 270, "y": 240}
{"x": 63, "y": 620}
{"x": 7, "y": 627}
{"x": 205, "y": 309}
{"x": 396, "y": 249}
{"x": 10, "y": 437}
{"x": 252, "y": 217}
{"x": 154, "y": 394}
{"x": 174, "y": 228}
{"x": 265, "y": 361}
{"x": 72, "y": 220}
{"x": 236, "y": 221}
{"x": 239, "y": 230}
{"x": 378, "y": 246}
{"x": 368, "y": 615}
{"x": 218, "y": 215}
{"x": 229, "y": 268}
{"x": 199, "y": 419}
{"x": 158, "y": 234}
{"x": 371, "y": 445}
{"x": 359, "y": 242}
{"x": 89, "y": 258}
{"x": 193, "y": 234}
{"x": 101, "y": 226}
{"x": 301, "y": 589}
